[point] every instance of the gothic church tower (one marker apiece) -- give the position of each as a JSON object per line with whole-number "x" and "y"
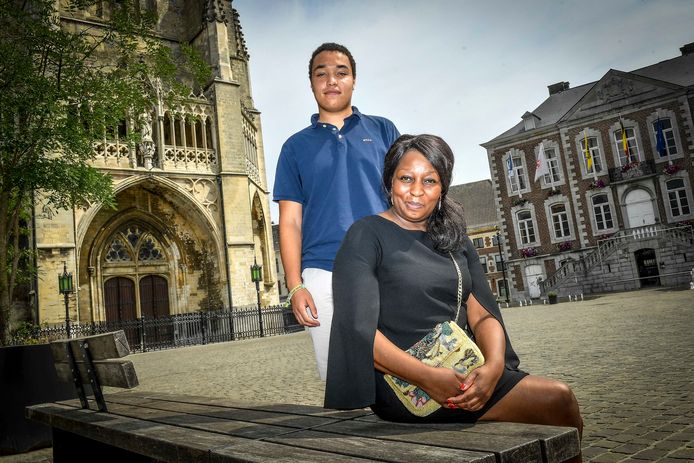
{"x": 192, "y": 210}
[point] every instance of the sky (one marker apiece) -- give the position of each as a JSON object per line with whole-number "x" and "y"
{"x": 464, "y": 70}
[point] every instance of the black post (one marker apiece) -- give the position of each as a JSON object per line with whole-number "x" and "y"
{"x": 256, "y": 277}
{"x": 65, "y": 288}
{"x": 260, "y": 314}
{"x": 503, "y": 265}
{"x": 67, "y": 314}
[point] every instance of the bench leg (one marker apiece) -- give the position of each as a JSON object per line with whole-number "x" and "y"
{"x": 73, "y": 448}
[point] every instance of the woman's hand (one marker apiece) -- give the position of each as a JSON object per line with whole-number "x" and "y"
{"x": 477, "y": 388}
{"x": 441, "y": 383}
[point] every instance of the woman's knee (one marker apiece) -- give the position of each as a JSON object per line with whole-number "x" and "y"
{"x": 564, "y": 399}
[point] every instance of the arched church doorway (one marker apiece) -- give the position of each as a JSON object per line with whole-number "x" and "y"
{"x": 136, "y": 269}
{"x": 119, "y": 299}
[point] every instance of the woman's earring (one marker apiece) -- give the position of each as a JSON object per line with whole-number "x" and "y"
{"x": 439, "y": 204}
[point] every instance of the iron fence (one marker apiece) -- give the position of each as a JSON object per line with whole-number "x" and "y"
{"x": 188, "y": 329}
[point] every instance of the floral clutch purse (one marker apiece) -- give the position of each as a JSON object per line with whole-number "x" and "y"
{"x": 447, "y": 346}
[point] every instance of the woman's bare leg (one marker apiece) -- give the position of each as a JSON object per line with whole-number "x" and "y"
{"x": 538, "y": 400}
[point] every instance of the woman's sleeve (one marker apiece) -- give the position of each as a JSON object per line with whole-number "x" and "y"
{"x": 350, "y": 382}
{"x": 483, "y": 294}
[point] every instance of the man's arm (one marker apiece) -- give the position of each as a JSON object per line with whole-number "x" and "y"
{"x": 290, "y": 250}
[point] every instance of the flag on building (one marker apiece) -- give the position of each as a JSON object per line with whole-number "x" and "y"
{"x": 589, "y": 158}
{"x": 509, "y": 166}
{"x": 625, "y": 144}
{"x": 660, "y": 139}
{"x": 541, "y": 167}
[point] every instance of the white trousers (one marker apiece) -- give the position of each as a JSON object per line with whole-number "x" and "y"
{"x": 319, "y": 282}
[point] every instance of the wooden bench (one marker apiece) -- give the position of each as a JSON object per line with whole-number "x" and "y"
{"x": 156, "y": 427}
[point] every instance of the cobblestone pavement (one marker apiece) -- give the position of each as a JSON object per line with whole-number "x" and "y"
{"x": 626, "y": 356}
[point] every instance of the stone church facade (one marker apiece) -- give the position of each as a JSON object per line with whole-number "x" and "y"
{"x": 192, "y": 210}
{"x": 602, "y": 218}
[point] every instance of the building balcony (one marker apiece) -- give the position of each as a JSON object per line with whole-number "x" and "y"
{"x": 632, "y": 171}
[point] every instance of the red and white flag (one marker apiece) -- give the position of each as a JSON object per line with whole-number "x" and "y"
{"x": 541, "y": 167}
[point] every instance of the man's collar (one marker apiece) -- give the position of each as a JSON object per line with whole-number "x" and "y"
{"x": 355, "y": 113}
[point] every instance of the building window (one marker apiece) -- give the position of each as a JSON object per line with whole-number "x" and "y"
{"x": 478, "y": 242}
{"x": 526, "y": 228}
{"x": 495, "y": 240}
{"x": 677, "y": 196}
{"x": 499, "y": 263}
{"x": 554, "y": 175}
{"x": 560, "y": 220}
{"x": 516, "y": 173}
{"x": 668, "y": 147}
{"x": 602, "y": 212}
{"x": 594, "y": 151}
{"x": 501, "y": 289}
{"x": 483, "y": 262}
{"x": 633, "y": 148}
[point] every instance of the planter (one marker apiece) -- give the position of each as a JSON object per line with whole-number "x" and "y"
{"x": 27, "y": 377}
{"x": 552, "y": 298}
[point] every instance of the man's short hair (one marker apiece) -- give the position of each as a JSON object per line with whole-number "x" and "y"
{"x": 330, "y": 46}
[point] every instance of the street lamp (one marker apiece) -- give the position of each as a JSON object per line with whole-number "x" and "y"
{"x": 65, "y": 288}
{"x": 503, "y": 265}
{"x": 256, "y": 277}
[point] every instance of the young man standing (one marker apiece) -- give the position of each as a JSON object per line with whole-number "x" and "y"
{"x": 328, "y": 176}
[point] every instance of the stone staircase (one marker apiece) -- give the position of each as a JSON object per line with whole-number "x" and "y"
{"x": 683, "y": 235}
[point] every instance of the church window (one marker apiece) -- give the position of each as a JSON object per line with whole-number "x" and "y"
{"x": 149, "y": 250}
{"x": 117, "y": 252}
{"x": 167, "y": 130}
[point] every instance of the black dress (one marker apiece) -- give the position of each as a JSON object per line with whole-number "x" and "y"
{"x": 390, "y": 278}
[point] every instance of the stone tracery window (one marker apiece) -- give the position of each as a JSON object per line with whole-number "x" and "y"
{"x": 117, "y": 252}
{"x": 132, "y": 241}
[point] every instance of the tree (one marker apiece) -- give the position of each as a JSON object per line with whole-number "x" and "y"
{"x": 60, "y": 89}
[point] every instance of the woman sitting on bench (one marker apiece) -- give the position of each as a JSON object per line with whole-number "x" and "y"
{"x": 395, "y": 278}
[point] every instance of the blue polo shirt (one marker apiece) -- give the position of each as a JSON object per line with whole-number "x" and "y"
{"x": 335, "y": 174}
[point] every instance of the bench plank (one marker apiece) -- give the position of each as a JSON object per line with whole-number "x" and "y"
{"x": 231, "y": 413}
{"x": 164, "y": 442}
{"x": 114, "y": 373}
{"x": 381, "y": 450}
{"x": 507, "y": 448}
{"x": 101, "y": 347}
{"x": 234, "y": 432}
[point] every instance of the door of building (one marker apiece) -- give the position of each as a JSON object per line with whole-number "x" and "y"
{"x": 647, "y": 264}
{"x": 119, "y": 299}
{"x": 639, "y": 208}
{"x": 154, "y": 296}
{"x": 533, "y": 274}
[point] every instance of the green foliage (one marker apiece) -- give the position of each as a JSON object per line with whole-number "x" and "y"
{"x": 28, "y": 334}
{"x": 61, "y": 89}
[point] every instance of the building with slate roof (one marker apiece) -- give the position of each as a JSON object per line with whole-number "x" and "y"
{"x": 603, "y": 218}
{"x": 477, "y": 199}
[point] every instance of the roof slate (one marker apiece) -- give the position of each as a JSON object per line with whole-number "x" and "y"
{"x": 477, "y": 199}
{"x": 678, "y": 71}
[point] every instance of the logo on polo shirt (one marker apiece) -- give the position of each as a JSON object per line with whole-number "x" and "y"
{"x": 367, "y": 140}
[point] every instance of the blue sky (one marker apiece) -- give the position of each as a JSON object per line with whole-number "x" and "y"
{"x": 464, "y": 70}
